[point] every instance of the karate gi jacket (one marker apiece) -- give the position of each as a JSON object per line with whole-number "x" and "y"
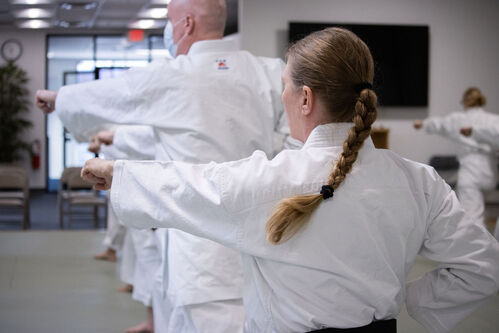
{"x": 214, "y": 104}
{"x": 348, "y": 266}
{"x": 478, "y": 163}
{"x": 487, "y": 134}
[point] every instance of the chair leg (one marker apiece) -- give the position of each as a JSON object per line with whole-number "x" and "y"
{"x": 70, "y": 215}
{"x": 96, "y": 216}
{"x": 60, "y": 207}
{"x": 26, "y": 216}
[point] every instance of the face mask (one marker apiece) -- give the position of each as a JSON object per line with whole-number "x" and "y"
{"x": 168, "y": 38}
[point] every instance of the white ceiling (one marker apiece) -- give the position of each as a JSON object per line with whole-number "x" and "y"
{"x": 93, "y": 14}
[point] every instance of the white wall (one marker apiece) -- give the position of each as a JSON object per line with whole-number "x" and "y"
{"x": 33, "y": 62}
{"x": 464, "y": 51}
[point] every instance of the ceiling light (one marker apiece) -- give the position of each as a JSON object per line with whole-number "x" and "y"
{"x": 30, "y": 2}
{"x": 33, "y": 13}
{"x": 160, "y": 2}
{"x": 34, "y": 24}
{"x": 146, "y": 24}
{"x": 156, "y": 13}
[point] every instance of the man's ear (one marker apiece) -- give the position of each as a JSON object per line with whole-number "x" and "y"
{"x": 307, "y": 101}
{"x": 189, "y": 23}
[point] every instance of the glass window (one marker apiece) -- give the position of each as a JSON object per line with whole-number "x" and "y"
{"x": 76, "y": 59}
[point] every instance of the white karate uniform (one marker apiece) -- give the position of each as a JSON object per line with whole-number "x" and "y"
{"x": 490, "y": 135}
{"x": 348, "y": 266}
{"x": 215, "y": 103}
{"x": 141, "y": 259}
{"x": 115, "y": 231}
{"x": 477, "y": 161}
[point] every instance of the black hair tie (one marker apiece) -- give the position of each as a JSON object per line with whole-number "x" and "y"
{"x": 327, "y": 191}
{"x": 361, "y": 86}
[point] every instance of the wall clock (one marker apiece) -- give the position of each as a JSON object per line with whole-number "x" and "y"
{"x": 11, "y": 50}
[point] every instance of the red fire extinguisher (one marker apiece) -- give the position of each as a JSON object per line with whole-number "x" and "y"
{"x": 35, "y": 154}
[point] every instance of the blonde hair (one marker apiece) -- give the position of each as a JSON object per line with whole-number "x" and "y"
{"x": 338, "y": 67}
{"x": 473, "y": 97}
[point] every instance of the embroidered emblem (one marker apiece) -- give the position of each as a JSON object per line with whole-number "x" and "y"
{"x": 222, "y": 64}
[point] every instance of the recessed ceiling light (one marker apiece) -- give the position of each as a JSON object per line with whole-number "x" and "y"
{"x": 33, "y": 13}
{"x": 146, "y": 24}
{"x": 156, "y": 13}
{"x": 160, "y": 2}
{"x": 30, "y": 2}
{"x": 34, "y": 24}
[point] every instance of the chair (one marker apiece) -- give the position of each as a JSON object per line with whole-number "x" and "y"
{"x": 75, "y": 192}
{"x": 14, "y": 191}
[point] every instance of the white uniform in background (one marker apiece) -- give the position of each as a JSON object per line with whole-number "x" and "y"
{"x": 115, "y": 231}
{"x": 349, "y": 264}
{"x": 213, "y": 104}
{"x": 141, "y": 257}
{"x": 477, "y": 161}
{"x": 489, "y": 134}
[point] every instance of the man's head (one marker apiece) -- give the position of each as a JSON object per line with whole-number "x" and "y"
{"x": 196, "y": 20}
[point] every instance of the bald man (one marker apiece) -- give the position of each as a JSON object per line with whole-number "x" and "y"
{"x": 211, "y": 102}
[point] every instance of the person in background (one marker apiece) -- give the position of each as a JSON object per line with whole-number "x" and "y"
{"x": 140, "y": 257}
{"x": 327, "y": 233}
{"x": 488, "y": 134}
{"x": 477, "y": 160}
{"x": 115, "y": 232}
{"x": 211, "y": 102}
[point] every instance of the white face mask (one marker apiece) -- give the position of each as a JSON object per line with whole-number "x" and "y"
{"x": 168, "y": 38}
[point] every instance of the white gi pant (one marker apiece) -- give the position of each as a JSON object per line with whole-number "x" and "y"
{"x": 221, "y": 316}
{"x": 472, "y": 200}
{"x": 115, "y": 233}
{"x": 226, "y": 316}
{"x": 127, "y": 267}
{"x": 147, "y": 263}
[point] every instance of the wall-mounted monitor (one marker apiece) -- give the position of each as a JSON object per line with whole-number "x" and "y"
{"x": 400, "y": 55}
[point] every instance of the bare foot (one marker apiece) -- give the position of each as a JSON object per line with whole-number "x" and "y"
{"x": 145, "y": 327}
{"x": 108, "y": 255}
{"x": 127, "y": 288}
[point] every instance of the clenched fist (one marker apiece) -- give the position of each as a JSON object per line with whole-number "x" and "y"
{"x": 466, "y": 131}
{"x": 45, "y": 100}
{"x": 98, "y": 172}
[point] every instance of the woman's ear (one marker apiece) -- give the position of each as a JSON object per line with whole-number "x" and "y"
{"x": 307, "y": 101}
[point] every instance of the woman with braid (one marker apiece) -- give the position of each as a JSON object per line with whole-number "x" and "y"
{"x": 327, "y": 233}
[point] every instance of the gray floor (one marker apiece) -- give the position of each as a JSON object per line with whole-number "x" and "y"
{"x": 50, "y": 284}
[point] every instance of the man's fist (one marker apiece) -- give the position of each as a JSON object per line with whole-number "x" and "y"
{"x": 106, "y": 137}
{"x": 466, "y": 131}
{"x": 418, "y": 124}
{"x": 45, "y": 100}
{"x": 98, "y": 172}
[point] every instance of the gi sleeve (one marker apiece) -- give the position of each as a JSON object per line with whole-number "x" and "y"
{"x": 136, "y": 141}
{"x": 178, "y": 195}
{"x": 469, "y": 264}
{"x": 446, "y": 126}
{"x": 85, "y": 106}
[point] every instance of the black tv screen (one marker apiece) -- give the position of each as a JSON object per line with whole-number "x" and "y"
{"x": 400, "y": 55}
